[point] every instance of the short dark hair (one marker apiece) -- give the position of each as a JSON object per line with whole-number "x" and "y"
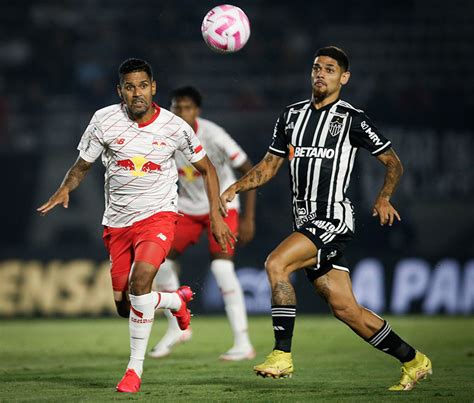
{"x": 132, "y": 65}
{"x": 336, "y": 53}
{"x": 187, "y": 91}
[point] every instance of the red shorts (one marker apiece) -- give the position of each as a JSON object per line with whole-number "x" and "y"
{"x": 190, "y": 227}
{"x": 148, "y": 240}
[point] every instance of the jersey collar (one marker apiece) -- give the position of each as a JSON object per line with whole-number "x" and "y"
{"x": 328, "y": 106}
{"x": 153, "y": 118}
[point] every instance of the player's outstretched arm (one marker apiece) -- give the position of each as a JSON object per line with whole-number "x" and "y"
{"x": 260, "y": 174}
{"x": 73, "y": 178}
{"x": 219, "y": 228}
{"x": 394, "y": 171}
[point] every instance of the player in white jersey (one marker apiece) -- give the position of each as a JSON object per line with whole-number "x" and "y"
{"x": 137, "y": 141}
{"x": 226, "y": 155}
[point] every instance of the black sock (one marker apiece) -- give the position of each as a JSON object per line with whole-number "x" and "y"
{"x": 283, "y": 317}
{"x": 389, "y": 342}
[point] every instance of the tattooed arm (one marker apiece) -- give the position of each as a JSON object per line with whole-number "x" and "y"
{"x": 394, "y": 170}
{"x": 73, "y": 178}
{"x": 256, "y": 177}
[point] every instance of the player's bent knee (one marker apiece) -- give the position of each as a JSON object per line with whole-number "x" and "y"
{"x": 140, "y": 286}
{"x": 142, "y": 277}
{"x": 275, "y": 266}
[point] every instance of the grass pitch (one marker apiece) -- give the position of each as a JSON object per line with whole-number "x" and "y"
{"x": 82, "y": 360}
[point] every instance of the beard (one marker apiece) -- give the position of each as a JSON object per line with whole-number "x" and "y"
{"x": 320, "y": 93}
{"x": 137, "y": 110}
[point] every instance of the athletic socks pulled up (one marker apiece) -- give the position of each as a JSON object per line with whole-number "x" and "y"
{"x": 283, "y": 318}
{"x": 234, "y": 301}
{"x": 389, "y": 342}
{"x": 142, "y": 313}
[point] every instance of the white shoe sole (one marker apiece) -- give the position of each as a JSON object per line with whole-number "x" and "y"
{"x": 159, "y": 354}
{"x": 164, "y": 352}
{"x": 250, "y": 355}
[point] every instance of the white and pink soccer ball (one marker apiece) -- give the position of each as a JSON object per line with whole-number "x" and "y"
{"x": 226, "y": 29}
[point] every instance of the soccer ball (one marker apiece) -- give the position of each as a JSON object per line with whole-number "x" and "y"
{"x": 226, "y": 29}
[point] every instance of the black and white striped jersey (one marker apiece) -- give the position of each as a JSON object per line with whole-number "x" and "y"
{"x": 321, "y": 145}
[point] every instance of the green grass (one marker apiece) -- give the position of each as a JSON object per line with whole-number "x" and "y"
{"x": 82, "y": 360}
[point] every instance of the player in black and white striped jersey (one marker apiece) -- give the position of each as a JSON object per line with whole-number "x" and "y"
{"x": 321, "y": 145}
{"x": 321, "y": 137}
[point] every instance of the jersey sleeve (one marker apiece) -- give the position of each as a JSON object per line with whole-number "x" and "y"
{"x": 235, "y": 154}
{"x": 365, "y": 134}
{"x": 279, "y": 144}
{"x": 91, "y": 145}
{"x": 189, "y": 144}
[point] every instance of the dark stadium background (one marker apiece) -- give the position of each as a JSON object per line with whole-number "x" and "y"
{"x": 412, "y": 66}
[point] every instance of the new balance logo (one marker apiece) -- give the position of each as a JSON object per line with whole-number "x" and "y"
{"x": 290, "y": 126}
{"x": 278, "y": 328}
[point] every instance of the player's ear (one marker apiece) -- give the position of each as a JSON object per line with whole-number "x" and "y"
{"x": 119, "y": 91}
{"x": 345, "y": 77}
{"x": 153, "y": 87}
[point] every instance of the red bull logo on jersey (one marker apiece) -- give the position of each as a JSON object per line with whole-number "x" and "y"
{"x": 313, "y": 152}
{"x": 157, "y": 144}
{"x": 188, "y": 173}
{"x": 139, "y": 166}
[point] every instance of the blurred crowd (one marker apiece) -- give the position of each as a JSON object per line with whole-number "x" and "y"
{"x": 412, "y": 71}
{"x": 412, "y": 61}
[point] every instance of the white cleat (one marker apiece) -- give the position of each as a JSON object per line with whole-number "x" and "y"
{"x": 164, "y": 347}
{"x": 238, "y": 354}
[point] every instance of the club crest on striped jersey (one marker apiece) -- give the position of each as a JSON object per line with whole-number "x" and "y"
{"x": 335, "y": 126}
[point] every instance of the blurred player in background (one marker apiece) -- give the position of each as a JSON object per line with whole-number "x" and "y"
{"x": 226, "y": 155}
{"x": 137, "y": 141}
{"x": 320, "y": 137}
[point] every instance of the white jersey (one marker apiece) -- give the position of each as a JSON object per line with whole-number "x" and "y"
{"x": 140, "y": 169}
{"x": 224, "y": 153}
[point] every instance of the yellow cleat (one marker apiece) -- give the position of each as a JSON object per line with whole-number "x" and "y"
{"x": 277, "y": 365}
{"x": 412, "y": 371}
